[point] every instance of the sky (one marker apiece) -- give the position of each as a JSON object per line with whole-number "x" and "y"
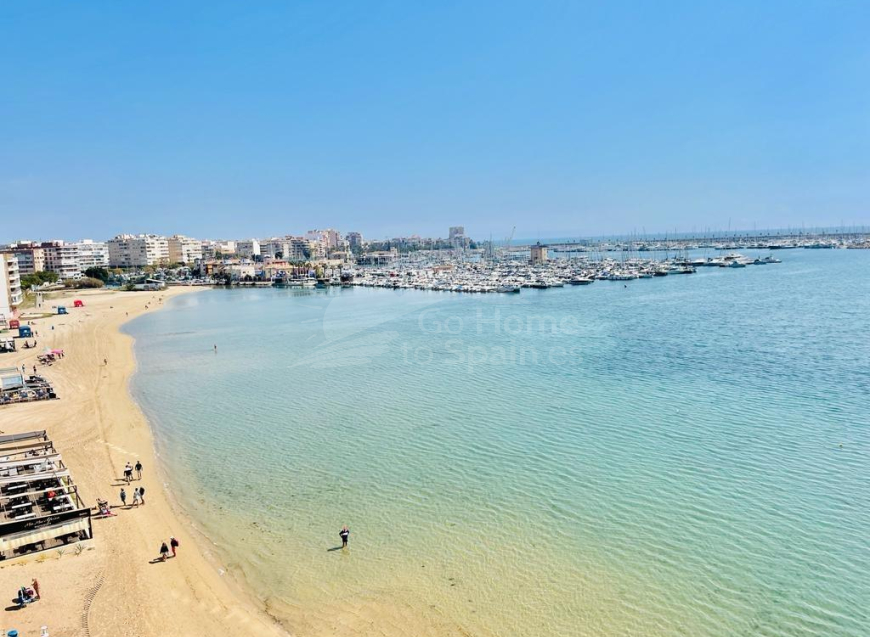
{"x": 560, "y": 118}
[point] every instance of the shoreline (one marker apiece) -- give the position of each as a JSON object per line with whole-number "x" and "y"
{"x": 97, "y": 425}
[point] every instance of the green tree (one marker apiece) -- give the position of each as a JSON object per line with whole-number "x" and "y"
{"x": 87, "y": 282}
{"x": 97, "y": 273}
{"x": 38, "y": 278}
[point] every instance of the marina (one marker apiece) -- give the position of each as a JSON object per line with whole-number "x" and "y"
{"x": 511, "y": 276}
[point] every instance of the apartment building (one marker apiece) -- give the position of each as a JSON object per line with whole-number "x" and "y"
{"x": 323, "y": 242}
{"x": 30, "y": 256}
{"x": 92, "y": 254}
{"x": 288, "y": 248}
{"x": 213, "y": 249}
{"x": 184, "y": 249}
{"x": 62, "y": 257}
{"x": 354, "y": 240}
{"x": 248, "y": 248}
{"x": 128, "y": 250}
{"x": 10, "y": 287}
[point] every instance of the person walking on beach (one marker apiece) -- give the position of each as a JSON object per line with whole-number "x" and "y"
{"x": 139, "y": 469}
{"x": 123, "y": 497}
{"x": 128, "y": 473}
{"x": 164, "y": 552}
{"x": 142, "y": 495}
{"x": 136, "y": 497}
{"x": 174, "y": 544}
{"x": 344, "y": 534}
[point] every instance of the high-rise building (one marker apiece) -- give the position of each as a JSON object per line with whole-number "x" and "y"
{"x": 328, "y": 238}
{"x": 62, "y": 257}
{"x": 302, "y": 249}
{"x": 457, "y": 232}
{"x": 128, "y": 250}
{"x": 184, "y": 249}
{"x": 354, "y": 240}
{"x": 31, "y": 257}
{"x": 275, "y": 248}
{"x": 289, "y": 248}
{"x": 248, "y": 248}
{"x": 92, "y": 254}
{"x": 10, "y": 287}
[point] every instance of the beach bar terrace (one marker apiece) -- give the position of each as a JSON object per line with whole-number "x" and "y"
{"x": 16, "y": 388}
{"x": 40, "y": 507}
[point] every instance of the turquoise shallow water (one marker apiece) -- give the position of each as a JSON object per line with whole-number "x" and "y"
{"x": 661, "y": 459}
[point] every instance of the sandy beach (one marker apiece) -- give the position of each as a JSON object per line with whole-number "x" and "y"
{"x": 113, "y": 588}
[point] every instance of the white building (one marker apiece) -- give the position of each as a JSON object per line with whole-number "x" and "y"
{"x": 92, "y": 254}
{"x": 184, "y": 249}
{"x": 248, "y": 248}
{"x": 213, "y": 249}
{"x": 10, "y": 287}
{"x": 289, "y": 248}
{"x": 62, "y": 257}
{"x": 127, "y": 250}
{"x": 275, "y": 248}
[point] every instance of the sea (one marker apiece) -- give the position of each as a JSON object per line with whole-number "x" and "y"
{"x": 684, "y": 455}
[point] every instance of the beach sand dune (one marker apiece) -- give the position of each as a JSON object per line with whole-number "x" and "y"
{"x": 113, "y": 588}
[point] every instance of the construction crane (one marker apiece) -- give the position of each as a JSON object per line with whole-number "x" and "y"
{"x": 507, "y": 241}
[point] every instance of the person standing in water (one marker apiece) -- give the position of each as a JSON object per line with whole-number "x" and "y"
{"x": 344, "y": 534}
{"x": 215, "y": 349}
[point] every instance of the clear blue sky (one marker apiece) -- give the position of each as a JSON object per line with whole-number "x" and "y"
{"x": 232, "y": 119}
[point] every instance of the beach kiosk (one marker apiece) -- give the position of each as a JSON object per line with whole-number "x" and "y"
{"x": 62, "y": 310}
{"x": 78, "y": 303}
{"x": 25, "y": 332}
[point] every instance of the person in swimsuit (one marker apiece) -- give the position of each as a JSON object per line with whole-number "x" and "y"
{"x": 344, "y": 534}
